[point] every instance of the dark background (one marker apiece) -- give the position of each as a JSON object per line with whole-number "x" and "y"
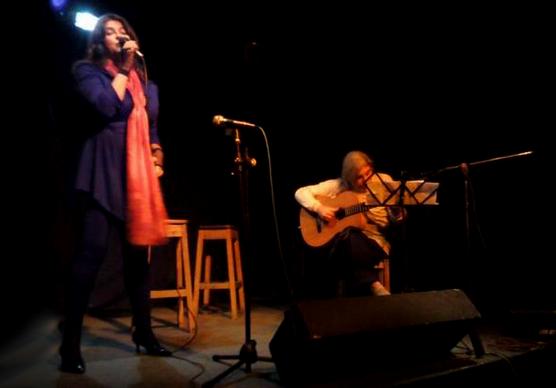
{"x": 419, "y": 89}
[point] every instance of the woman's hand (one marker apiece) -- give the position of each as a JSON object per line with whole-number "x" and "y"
{"x": 129, "y": 50}
{"x": 327, "y": 213}
{"x": 158, "y": 159}
{"x": 158, "y": 171}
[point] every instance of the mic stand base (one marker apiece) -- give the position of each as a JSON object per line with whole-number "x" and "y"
{"x": 247, "y": 355}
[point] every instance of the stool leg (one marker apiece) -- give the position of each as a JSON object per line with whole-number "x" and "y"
{"x": 206, "y": 283}
{"x": 179, "y": 282}
{"x": 239, "y": 271}
{"x": 231, "y": 277}
{"x": 187, "y": 273}
{"x": 198, "y": 270}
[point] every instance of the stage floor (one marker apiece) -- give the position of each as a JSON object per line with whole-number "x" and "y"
{"x": 31, "y": 359}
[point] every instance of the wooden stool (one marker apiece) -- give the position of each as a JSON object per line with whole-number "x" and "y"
{"x": 183, "y": 290}
{"x": 229, "y": 234}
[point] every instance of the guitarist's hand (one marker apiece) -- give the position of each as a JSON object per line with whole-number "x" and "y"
{"x": 327, "y": 213}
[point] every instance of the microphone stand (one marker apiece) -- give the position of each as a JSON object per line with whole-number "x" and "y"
{"x": 458, "y": 166}
{"x": 403, "y": 235}
{"x": 248, "y": 352}
{"x": 464, "y": 168}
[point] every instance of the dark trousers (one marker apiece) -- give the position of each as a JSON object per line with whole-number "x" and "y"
{"x": 98, "y": 230}
{"x": 345, "y": 267}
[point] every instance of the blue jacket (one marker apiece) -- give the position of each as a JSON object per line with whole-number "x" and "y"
{"x": 101, "y": 170}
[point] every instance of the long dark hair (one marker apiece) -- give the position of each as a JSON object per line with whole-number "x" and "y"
{"x": 96, "y": 50}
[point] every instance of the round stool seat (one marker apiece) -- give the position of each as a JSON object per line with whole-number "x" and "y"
{"x": 216, "y": 227}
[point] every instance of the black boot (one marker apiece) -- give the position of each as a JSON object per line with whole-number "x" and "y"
{"x": 70, "y": 352}
{"x": 146, "y": 339}
{"x": 72, "y": 362}
{"x": 136, "y": 278}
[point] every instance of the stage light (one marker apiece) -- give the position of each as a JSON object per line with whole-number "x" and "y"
{"x": 85, "y": 20}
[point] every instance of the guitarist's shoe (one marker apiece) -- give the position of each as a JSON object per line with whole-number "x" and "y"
{"x": 379, "y": 290}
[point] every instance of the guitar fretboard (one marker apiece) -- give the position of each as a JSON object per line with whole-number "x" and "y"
{"x": 361, "y": 207}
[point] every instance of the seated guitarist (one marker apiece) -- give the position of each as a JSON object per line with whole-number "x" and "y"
{"x": 356, "y": 249}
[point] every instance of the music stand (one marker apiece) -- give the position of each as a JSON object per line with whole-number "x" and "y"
{"x": 248, "y": 352}
{"x": 401, "y": 194}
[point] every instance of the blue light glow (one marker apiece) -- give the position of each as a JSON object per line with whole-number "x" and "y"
{"x": 58, "y": 5}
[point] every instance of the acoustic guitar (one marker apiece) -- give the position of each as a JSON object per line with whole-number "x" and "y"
{"x": 317, "y": 232}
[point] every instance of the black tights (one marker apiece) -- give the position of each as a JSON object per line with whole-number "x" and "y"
{"x": 98, "y": 229}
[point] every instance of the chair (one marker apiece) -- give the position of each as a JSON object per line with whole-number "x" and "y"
{"x": 384, "y": 274}
{"x": 203, "y": 267}
{"x": 176, "y": 228}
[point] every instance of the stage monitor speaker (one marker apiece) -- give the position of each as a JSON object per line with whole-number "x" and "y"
{"x": 329, "y": 338}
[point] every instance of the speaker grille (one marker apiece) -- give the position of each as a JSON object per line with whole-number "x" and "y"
{"x": 344, "y": 316}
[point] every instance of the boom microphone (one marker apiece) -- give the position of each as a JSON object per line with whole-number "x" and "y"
{"x": 221, "y": 121}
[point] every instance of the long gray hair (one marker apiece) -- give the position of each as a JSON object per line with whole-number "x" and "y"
{"x": 353, "y": 161}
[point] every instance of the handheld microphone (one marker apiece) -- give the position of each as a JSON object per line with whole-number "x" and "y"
{"x": 221, "y": 121}
{"x": 122, "y": 39}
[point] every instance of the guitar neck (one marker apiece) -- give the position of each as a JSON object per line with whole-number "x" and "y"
{"x": 351, "y": 210}
{"x": 359, "y": 208}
